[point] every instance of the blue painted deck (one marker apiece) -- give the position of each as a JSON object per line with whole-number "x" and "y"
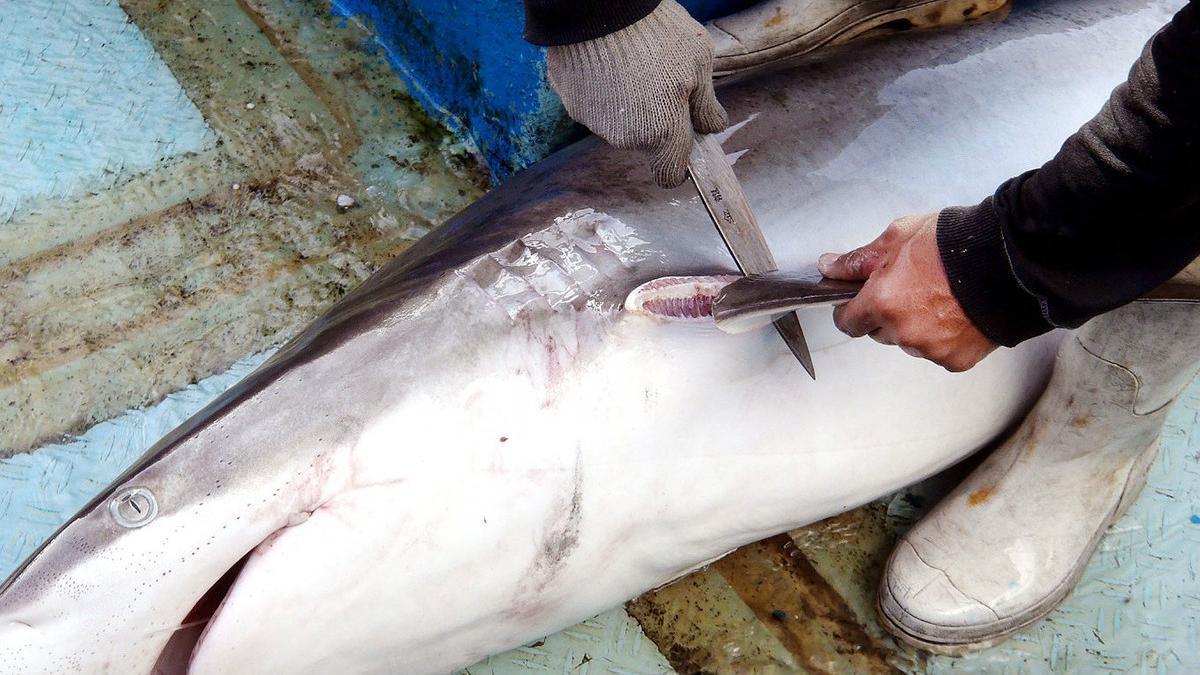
{"x": 467, "y": 64}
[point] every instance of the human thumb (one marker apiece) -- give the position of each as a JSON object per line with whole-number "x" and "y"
{"x": 708, "y": 115}
{"x": 671, "y": 157}
{"x": 857, "y": 265}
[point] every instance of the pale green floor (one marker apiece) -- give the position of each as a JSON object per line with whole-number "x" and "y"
{"x": 118, "y": 152}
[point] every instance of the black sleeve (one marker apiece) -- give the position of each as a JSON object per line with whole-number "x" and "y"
{"x": 1115, "y": 214}
{"x": 560, "y": 22}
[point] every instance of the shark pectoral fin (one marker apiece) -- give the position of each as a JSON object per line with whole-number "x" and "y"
{"x": 757, "y": 300}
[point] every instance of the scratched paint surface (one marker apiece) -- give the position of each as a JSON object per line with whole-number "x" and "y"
{"x": 213, "y": 254}
{"x": 86, "y": 102}
{"x": 609, "y": 643}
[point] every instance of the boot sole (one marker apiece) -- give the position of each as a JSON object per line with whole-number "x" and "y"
{"x": 988, "y": 636}
{"x": 868, "y": 19}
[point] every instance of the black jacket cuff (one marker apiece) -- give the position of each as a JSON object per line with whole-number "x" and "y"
{"x": 981, "y": 276}
{"x": 550, "y": 23}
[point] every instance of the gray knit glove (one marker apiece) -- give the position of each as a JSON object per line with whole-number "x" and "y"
{"x": 644, "y": 87}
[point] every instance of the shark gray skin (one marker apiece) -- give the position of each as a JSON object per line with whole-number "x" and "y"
{"x": 491, "y": 438}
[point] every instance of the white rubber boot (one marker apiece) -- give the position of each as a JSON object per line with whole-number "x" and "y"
{"x": 1009, "y": 544}
{"x": 773, "y": 30}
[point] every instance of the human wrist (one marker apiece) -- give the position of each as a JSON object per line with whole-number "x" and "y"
{"x": 551, "y": 23}
{"x": 971, "y": 244}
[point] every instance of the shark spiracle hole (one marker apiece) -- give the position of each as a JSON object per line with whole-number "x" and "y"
{"x": 682, "y": 299}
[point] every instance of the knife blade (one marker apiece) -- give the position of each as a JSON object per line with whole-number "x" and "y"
{"x": 754, "y": 300}
{"x": 727, "y": 206}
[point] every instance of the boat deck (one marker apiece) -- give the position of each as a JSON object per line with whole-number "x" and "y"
{"x": 187, "y": 184}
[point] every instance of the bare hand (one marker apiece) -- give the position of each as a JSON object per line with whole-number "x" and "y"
{"x": 906, "y": 300}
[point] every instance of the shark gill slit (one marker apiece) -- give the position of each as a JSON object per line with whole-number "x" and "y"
{"x": 177, "y": 653}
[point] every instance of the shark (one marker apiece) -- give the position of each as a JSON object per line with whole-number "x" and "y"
{"x": 530, "y": 416}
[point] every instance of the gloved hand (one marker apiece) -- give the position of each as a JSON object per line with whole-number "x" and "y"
{"x": 644, "y": 87}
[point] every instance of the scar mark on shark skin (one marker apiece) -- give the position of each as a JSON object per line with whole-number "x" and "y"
{"x": 563, "y": 537}
{"x": 560, "y": 541}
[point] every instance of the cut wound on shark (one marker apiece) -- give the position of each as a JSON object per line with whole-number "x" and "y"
{"x": 678, "y": 298}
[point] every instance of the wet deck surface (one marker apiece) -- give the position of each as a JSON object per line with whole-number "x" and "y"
{"x": 151, "y": 258}
{"x": 155, "y": 247}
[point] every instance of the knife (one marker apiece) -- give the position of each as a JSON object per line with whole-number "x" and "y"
{"x": 727, "y": 206}
{"x": 754, "y": 300}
